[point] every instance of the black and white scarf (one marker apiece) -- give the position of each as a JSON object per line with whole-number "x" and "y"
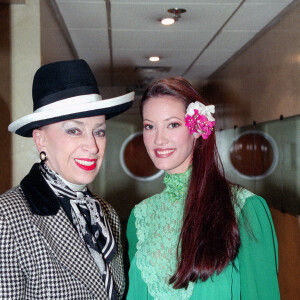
{"x": 90, "y": 222}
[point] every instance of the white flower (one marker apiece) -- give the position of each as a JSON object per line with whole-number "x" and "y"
{"x": 202, "y": 110}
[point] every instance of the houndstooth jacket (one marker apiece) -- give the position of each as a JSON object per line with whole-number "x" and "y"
{"x": 41, "y": 254}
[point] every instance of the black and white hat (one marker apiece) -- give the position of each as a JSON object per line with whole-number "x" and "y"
{"x": 67, "y": 90}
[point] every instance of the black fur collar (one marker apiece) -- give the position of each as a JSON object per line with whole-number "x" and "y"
{"x": 40, "y": 197}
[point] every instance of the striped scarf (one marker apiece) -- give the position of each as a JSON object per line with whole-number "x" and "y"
{"x": 90, "y": 222}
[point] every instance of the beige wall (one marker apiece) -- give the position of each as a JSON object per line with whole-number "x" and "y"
{"x": 25, "y": 59}
{"x": 261, "y": 84}
{"x": 288, "y": 234}
{"x": 20, "y": 56}
{"x": 29, "y": 37}
{"x": 54, "y": 45}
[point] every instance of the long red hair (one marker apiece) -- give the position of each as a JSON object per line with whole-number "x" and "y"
{"x": 209, "y": 237}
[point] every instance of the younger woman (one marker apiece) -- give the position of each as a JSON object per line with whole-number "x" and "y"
{"x": 202, "y": 237}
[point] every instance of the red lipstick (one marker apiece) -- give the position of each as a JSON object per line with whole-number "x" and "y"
{"x": 86, "y": 164}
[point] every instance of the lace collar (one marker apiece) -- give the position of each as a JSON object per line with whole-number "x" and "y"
{"x": 177, "y": 185}
{"x": 158, "y": 224}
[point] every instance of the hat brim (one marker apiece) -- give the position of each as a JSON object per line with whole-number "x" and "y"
{"x": 109, "y": 107}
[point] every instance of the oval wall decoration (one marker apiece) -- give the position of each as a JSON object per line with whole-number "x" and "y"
{"x": 254, "y": 154}
{"x": 135, "y": 160}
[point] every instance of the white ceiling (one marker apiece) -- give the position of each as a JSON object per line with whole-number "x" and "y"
{"x": 116, "y": 37}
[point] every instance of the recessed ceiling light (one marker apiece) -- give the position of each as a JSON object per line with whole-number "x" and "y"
{"x": 167, "y": 21}
{"x": 154, "y": 58}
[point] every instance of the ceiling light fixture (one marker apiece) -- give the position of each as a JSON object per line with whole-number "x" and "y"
{"x": 176, "y": 15}
{"x": 177, "y": 12}
{"x": 154, "y": 58}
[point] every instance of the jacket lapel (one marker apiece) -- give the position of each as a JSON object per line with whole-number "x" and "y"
{"x": 67, "y": 246}
{"x": 58, "y": 232}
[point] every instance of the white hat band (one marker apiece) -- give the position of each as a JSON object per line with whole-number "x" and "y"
{"x": 84, "y": 103}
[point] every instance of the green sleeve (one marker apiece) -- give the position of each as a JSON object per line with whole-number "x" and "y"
{"x": 258, "y": 255}
{"x": 131, "y": 236}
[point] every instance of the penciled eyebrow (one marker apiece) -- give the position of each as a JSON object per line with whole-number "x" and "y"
{"x": 168, "y": 119}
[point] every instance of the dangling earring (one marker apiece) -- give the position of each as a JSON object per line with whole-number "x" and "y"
{"x": 43, "y": 156}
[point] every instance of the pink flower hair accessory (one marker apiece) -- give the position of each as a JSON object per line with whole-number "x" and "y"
{"x": 198, "y": 119}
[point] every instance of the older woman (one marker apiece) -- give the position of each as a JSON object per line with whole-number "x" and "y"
{"x": 58, "y": 240}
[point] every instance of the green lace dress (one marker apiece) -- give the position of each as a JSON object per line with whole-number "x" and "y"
{"x": 153, "y": 231}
